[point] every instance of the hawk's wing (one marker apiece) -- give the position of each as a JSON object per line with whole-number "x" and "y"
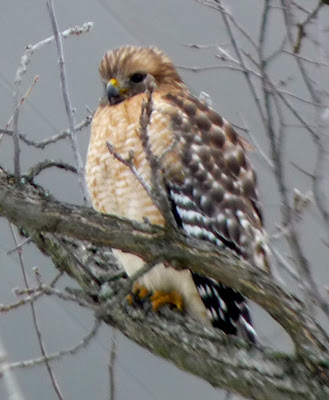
{"x": 213, "y": 191}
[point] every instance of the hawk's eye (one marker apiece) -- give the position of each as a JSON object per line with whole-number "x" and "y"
{"x": 137, "y": 77}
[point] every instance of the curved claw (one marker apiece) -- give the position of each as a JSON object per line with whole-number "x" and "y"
{"x": 158, "y": 299}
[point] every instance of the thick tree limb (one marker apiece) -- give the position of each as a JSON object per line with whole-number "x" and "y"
{"x": 29, "y": 207}
{"x": 221, "y": 360}
{"x": 218, "y": 359}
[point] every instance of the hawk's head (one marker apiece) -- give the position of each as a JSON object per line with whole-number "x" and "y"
{"x": 125, "y": 69}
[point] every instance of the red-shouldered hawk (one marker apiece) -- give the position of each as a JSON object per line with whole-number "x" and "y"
{"x": 209, "y": 180}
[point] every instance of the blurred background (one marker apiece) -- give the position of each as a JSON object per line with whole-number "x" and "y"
{"x": 172, "y": 26}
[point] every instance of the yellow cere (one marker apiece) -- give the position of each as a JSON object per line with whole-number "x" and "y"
{"x": 114, "y": 82}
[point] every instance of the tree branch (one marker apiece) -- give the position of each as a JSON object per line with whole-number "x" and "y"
{"x": 223, "y": 361}
{"x": 34, "y": 210}
{"x": 67, "y": 103}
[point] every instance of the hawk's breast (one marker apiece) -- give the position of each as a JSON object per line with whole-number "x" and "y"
{"x": 113, "y": 187}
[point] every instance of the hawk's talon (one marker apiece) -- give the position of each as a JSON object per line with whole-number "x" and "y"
{"x": 160, "y": 298}
{"x": 138, "y": 295}
{"x": 157, "y": 299}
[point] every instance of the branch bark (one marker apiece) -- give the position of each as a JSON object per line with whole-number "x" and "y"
{"x": 221, "y": 360}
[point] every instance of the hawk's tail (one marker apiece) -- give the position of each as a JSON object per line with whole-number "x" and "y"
{"x": 227, "y": 309}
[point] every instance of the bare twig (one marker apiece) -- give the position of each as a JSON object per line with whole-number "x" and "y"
{"x": 48, "y": 290}
{"x": 306, "y": 79}
{"x": 30, "y": 298}
{"x": 129, "y": 162}
{"x": 257, "y": 146}
{"x": 68, "y": 106}
{"x": 17, "y": 165}
{"x": 199, "y": 68}
{"x": 25, "y": 60}
{"x": 228, "y": 396}
{"x": 24, "y": 242}
{"x": 113, "y": 356}
{"x": 302, "y": 170}
{"x": 8, "y": 378}
{"x": 45, "y": 164}
{"x": 318, "y": 177}
{"x": 284, "y": 264}
{"x": 36, "y": 324}
{"x": 159, "y": 195}
{"x": 56, "y": 356}
{"x": 17, "y": 82}
{"x": 307, "y": 59}
{"x": 155, "y": 189}
{"x": 227, "y": 18}
{"x": 301, "y": 27}
{"x": 273, "y": 87}
{"x": 301, "y": 202}
{"x": 85, "y": 268}
{"x": 22, "y": 100}
{"x": 276, "y": 53}
{"x": 42, "y": 144}
{"x": 277, "y": 148}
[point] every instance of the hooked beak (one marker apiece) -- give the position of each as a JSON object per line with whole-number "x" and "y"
{"x": 114, "y": 91}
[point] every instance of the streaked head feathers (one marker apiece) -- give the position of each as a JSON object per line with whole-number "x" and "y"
{"x": 123, "y": 63}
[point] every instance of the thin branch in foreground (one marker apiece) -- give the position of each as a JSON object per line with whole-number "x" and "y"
{"x": 7, "y": 377}
{"x": 17, "y": 104}
{"x": 30, "y": 49}
{"x": 284, "y": 264}
{"x": 85, "y": 268}
{"x": 22, "y": 100}
{"x": 255, "y": 143}
{"x": 20, "y": 245}
{"x": 159, "y": 195}
{"x": 228, "y": 20}
{"x": 301, "y": 27}
{"x": 319, "y": 172}
{"x": 36, "y": 323}
{"x": 307, "y": 282}
{"x": 25, "y": 60}
{"x": 199, "y": 68}
{"x": 17, "y": 166}
{"x": 155, "y": 190}
{"x": 307, "y": 59}
{"x": 129, "y": 162}
{"x": 68, "y": 106}
{"x": 43, "y": 143}
{"x": 113, "y": 357}
{"x": 228, "y": 395}
{"x": 48, "y": 290}
{"x": 14, "y": 117}
{"x": 45, "y": 164}
{"x": 56, "y": 356}
{"x": 30, "y": 298}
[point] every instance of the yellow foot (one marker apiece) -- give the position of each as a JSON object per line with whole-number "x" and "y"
{"x": 158, "y": 298}
{"x": 138, "y": 293}
{"x": 173, "y": 298}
